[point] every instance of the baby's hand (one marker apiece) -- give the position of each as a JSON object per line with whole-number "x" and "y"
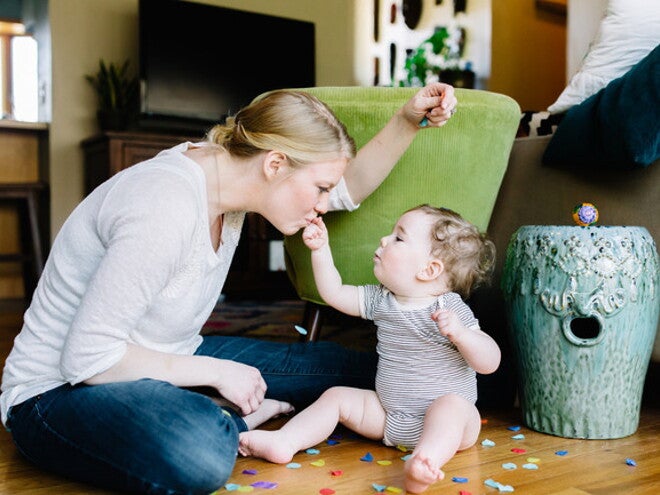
{"x": 315, "y": 234}
{"x": 448, "y": 323}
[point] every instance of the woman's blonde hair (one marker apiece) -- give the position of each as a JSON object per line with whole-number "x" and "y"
{"x": 293, "y": 122}
{"x": 468, "y": 255}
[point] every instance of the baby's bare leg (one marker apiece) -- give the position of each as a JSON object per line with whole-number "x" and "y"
{"x": 451, "y": 424}
{"x": 357, "y": 409}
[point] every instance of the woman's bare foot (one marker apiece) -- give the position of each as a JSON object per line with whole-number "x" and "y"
{"x": 269, "y": 445}
{"x": 268, "y": 409}
{"x": 421, "y": 471}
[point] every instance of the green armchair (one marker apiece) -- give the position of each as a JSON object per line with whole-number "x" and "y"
{"x": 459, "y": 166}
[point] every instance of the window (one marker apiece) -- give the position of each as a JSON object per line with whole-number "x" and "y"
{"x": 19, "y": 86}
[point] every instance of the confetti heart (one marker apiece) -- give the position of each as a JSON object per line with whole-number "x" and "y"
{"x": 406, "y": 457}
{"x": 338, "y": 472}
{"x": 509, "y": 466}
{"x": 488, "y": 443}
{"x": 249, "y": 471}
{"x": 293, "y": 465}
{"x": 514, "y": 428}
{"x": 518, "y": 451}
{"x": 332, "y": 442}
{"x": 631, "y": 462}
{"x": 367, "y": 457}
{"x": 530, "y": 465}
{"x": 393, "y": 489}
{"x": 319, "y": 463}
{"x": 264, "y": 484}
{"x": 384, "y": 463}
{"x": 232, "y": 487}
{"x": 326, "y": 491}
{"x": 533, "y": 460}
{"x": 561, "y": 453}
{"x": 313, "y": 451}
{"x": 496, "y": 484}
{"x": 456, "y": 479}
{"x": 519, "y": 436}
{"x": 378, "y": 488}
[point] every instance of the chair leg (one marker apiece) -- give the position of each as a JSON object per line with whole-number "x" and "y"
{"x": 35, "y": 234}
{"x": 312, "y": 321}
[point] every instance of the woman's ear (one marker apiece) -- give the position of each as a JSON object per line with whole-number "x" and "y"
{"x": 432, "y": 271}
{"x": 274, "y": 164}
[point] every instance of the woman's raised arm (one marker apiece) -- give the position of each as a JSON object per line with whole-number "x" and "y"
{"x": 434, "y": 103}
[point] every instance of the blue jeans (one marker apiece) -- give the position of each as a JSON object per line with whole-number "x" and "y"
{"x": 149, "y": 436}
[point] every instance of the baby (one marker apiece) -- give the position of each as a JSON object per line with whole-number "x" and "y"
{"x": 430, "y": 346}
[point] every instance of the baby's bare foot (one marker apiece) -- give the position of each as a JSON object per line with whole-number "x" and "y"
{"x": 269, "y": 445}
{"x": 421, "y": 472}
{"x": 268, "y": 409}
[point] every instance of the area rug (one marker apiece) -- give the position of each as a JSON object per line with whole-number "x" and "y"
{"x": 278, "y": 321}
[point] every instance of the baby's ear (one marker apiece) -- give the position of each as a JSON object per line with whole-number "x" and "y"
{"x": 432, "y": 271}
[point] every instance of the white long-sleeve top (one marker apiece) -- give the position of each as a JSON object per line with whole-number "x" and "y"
{"x": 134, "y": 264}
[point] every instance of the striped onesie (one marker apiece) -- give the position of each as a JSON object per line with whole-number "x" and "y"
{"x": 416, "y": 364}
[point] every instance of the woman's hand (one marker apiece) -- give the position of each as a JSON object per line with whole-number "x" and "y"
{"x": 240, "y": 384}
{"x": 432, "y": 106}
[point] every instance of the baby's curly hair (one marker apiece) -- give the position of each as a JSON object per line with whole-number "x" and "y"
{"x": 468, "y": 255}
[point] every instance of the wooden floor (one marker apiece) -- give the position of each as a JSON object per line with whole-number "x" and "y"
{"x": 596, "y": 467}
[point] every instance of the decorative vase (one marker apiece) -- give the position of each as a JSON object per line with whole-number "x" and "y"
{"x": 583, "y": 307}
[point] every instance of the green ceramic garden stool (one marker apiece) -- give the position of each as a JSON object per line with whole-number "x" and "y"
{"x": 583, "y": 306}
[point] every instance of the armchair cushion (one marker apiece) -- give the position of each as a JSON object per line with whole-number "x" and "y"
{"x": 459, "y": 166}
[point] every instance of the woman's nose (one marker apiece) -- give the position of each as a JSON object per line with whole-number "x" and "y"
{"x": 322, "y": 206}
{"x": 383, "y": 241}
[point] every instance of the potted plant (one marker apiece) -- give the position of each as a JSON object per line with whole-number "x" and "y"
{"x": 117, "y": 94}
{"x": 440, "y": 57}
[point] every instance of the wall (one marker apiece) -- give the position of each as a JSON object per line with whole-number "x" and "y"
{"x": 83, "y": 31}
{"x": 476, "y": 20}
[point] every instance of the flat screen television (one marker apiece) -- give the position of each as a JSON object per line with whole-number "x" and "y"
{"x": 199, "y": 63}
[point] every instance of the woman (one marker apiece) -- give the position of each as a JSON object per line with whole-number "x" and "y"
{"x": 109, "y": 381}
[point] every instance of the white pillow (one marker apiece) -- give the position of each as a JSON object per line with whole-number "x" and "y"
{"x": 629, "y": 31}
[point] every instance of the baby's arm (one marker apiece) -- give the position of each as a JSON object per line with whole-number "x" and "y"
{"x": 477, "y": 347}
{"x": 328, "y": 280}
